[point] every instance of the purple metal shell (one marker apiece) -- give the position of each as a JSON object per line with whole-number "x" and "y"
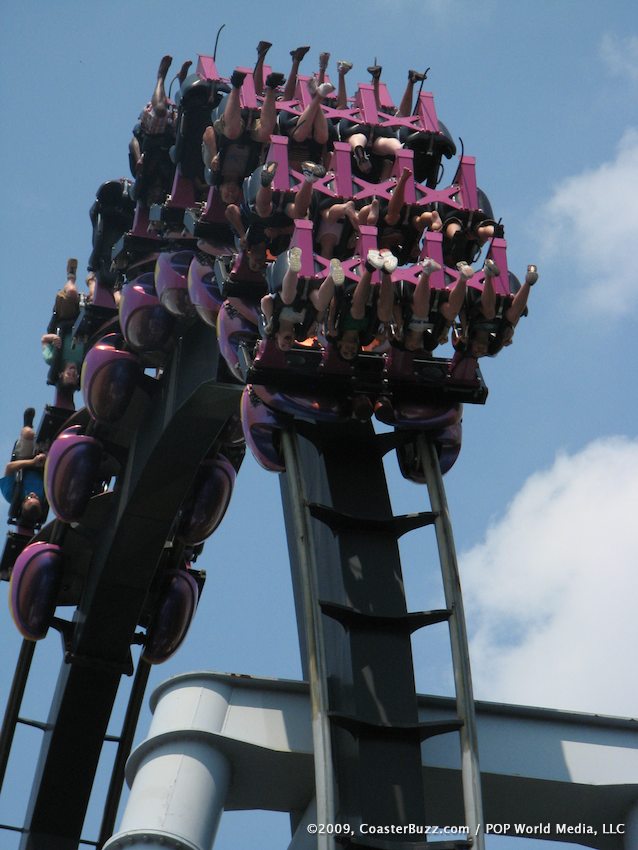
{"x": 35, "y": 584}
{"x": 171, "y": 282}
{"x": 234, "y": 327}
{"x": 312, "y": 408}
{"x": 173, "y": 616}
{"x": 109, "y": 379}
{"x": 146, "y": 325}
{"x": 71, "y": 472}
{"x": 204, "y": 292}
{"x": 261, "y": 428}
{"x": 210, "y": 497}
{"x": 448, "y": 445}
{"x": 427, "y": 416}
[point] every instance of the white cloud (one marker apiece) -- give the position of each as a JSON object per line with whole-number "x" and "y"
{"x": 620, "y": 55}
{"x": 591, "y": 222}
{"x": 551, "y": 594}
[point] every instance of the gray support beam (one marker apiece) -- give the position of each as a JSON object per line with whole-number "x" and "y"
{"x": 301, "y": 538}
{"x": 470, "y": 770}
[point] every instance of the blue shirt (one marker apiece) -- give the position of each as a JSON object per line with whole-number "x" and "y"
{"x": 32, "y": 482}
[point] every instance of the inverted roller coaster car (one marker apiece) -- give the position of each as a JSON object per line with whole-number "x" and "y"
{"x": 171, "y": 282}
{"x": 71, "y": 473}
{"x": 173, "y": 616}
{"x": 203, "y": 291}
{"x": 35, "y": 584}
{"x": 448, "y": 445}
{"x": 261, "y": 431}
{"x": 146, "y": 325}
{"x": 206, "y": 505}
{"x": 109, "y": 378}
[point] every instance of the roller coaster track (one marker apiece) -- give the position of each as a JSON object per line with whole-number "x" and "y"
{"x": 356, "y": 630}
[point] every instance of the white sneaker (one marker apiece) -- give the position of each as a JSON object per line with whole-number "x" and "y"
{"x": 465, "y": 269}
{"x": 490, "y": 269}
{"x": 390, "y": 263}
{"x": 429, "y": 265}
{"x": 532, "y": 275}
{"x": 375, "y": 259}
{"x": 294, "y": 259}
{"x": 325, "y": 89}
{"x": 336, "y": 272}
{"x": 343, "y": 66}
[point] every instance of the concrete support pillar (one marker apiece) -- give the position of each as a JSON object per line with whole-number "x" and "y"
{"x": 179, "y": 779}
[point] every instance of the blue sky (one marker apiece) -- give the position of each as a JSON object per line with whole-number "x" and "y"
{"x": 544, "y": 94}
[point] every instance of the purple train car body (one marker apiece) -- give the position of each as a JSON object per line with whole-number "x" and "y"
{"x": 447, "y": 441}
{"x": 109, "y": 378}
{"x": 35, "y": 585}
{"x": 171, "y": 282}
{"x": 146, "y": 325}
{"x": 261, "y": 431}
{"x": 203, "y": 292}
{"x": 71, "y": 472}
{"x": 205, "y": 507}
{"x": 172, "y": 618}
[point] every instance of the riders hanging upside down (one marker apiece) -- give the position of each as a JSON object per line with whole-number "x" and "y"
{"x": 362, "y": 312}
{"x": 269, "y": 214}
{"x": 424, "y": 316}
{"x": 489, "y": 320}
{"x": 293, "y": 306}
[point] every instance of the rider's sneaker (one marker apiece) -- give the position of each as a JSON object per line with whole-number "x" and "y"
{"x": 336, "y": 272}
{"x": 375, "y": 258}
{"x": 532, "y": 275}
{"x": 390, "y": 262}
{"x": 325, "y": 89}
{"x": 429, "y": 265}
{"x": 490, "y": 269}
{"x": 299, "y": 53}
{"x": 268, "y": 172}
{"x": 465, "y": 269}
{"x": 294, "y": 259}
{"x": 274, "y": 79}
{"x": 237, "y": 78}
